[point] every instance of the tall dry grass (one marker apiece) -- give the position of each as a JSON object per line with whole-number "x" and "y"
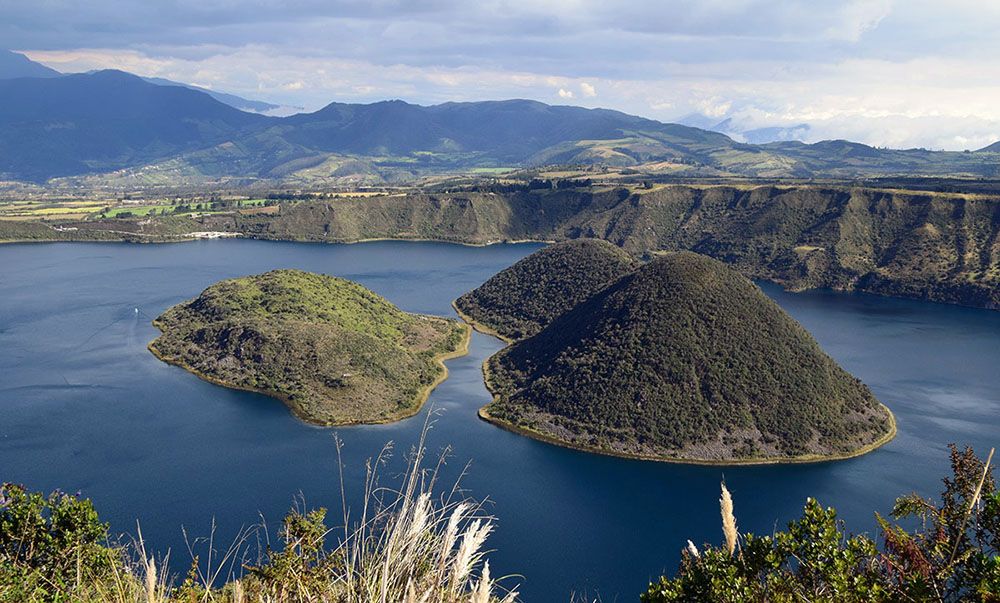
{"x": 409, "y": 544}
{"x": 728, "y": 520}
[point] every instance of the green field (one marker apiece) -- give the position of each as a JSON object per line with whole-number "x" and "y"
{"x": 126, "y": 211}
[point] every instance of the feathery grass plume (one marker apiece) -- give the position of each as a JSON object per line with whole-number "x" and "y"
{"x": 693, "y": 550}
{"x": 154, "y": 586}
{"x": 481, "y": 590}
{"x": 413, "y": 543}
{"x": 238, "y": 594}
{"x": 450, "y": 536}
{"x": 469, "y": 553}
{"x": 151, "y": 583}
{"x": 728, "y": 520}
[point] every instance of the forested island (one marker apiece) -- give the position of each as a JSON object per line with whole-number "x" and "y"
{"x": 521, "y": 300}
{"x": 680, "y": 359}
{"x": 333, "y": 351}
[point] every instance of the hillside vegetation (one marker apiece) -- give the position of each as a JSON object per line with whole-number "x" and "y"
{"x": 938, "y": 246}
{"x": 932, "y": 246}
{"x": 684, "y": 359}
{"x": 55, "y": 548}
{"x": 335, "y": 352}
{"x": 946, "y": 551}
{"x": 522, "y": 299}
{"x": 415, "y": 542}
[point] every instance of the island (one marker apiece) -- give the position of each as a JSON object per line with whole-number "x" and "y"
{"x": 522, "y": 299}
{"x": 335, "y": 352}
{"x": 682, "y": 359}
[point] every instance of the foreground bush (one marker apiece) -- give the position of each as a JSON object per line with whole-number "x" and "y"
{"x": 412, "y": 547}
{"x": 408, "y": 546}
{"x": 953, "y": 554}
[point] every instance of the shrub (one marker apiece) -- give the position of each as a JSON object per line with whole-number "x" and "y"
{"x": 954, "y": 556}
{"x": 50, "y": 543}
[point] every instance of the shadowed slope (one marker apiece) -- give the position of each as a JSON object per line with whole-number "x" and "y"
{"x": 521, "y": 300}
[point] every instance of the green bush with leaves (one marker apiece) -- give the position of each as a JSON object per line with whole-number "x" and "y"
{"x": 49, "y": 544}
{"x": 953, "y": 556}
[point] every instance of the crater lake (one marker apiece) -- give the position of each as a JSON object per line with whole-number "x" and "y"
{"x": 85, "y": 407}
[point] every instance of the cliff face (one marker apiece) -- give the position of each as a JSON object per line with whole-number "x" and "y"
{"x": 921, "y": 245}
{"x": 937, "y": 247}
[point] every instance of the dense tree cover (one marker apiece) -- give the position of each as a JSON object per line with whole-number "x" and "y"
{"x": 952, "y": 555}
{"x": 519, "y": 301}
{"x": 334, "y": 351}
{"x": 684, "y": 358}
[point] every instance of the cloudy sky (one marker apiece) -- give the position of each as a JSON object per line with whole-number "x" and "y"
{"x": 899, "y": 73}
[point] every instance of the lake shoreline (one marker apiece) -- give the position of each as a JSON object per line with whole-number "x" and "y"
{"x": 156, "y": 239}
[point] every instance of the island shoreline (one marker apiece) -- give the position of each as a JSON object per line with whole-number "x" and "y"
{"x": 484, "y": 414}
{"x": 478, "y": 326}
{"x": 419, "y": 401}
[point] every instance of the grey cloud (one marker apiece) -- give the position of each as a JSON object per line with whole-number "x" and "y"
{"x": 772, "y": 59}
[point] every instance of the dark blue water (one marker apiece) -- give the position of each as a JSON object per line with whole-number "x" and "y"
{"x": 84, "y": 406}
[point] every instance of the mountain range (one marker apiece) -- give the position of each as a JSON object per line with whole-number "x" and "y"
{"x": 237, "y": 102}
{"x": 16, "y": 65}
{"x": 113, "y": 127}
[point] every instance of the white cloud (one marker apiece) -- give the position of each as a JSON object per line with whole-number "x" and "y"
{"x": 588, "y": 89}
{"x": 858, "y": 17}
{"x": 563, "y": 93}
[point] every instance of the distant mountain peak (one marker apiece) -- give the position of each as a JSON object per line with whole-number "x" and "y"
{"x": 15, "y": 65}
{"x": 238, "y": 102}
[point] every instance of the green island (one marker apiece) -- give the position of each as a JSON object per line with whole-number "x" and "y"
{"x": 682, "y": 359}
{"x": 519, "y": 301}
{"x": 333, "y": 351}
